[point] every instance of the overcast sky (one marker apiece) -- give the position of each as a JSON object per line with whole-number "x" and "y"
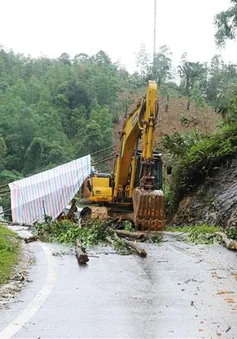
{"x": 119, "y": 27}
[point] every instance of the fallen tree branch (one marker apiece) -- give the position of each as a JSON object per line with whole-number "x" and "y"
{"x": 131, "y": 245}
{"x": 81, "y": 255}
{"x": 132, "y": 235}
{"x": 229, "y": 243}
{"x": 110, "y": 241}
{"x": 138, "y": 249}
{"x": 30, "y": 239}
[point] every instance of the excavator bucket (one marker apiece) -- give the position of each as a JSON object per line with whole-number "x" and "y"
{"x": 148, "y": 209}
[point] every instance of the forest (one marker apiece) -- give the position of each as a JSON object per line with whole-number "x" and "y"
{"x": 56, "y": 110}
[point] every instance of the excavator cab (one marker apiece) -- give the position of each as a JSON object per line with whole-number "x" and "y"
{"x": 157, "y": 170}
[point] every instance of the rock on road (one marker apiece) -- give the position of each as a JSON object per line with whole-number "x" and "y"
{"x": 178, "y": 291}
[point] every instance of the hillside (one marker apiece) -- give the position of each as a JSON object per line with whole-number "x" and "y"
{"x": 203, "y": 186}
{"x": 178, "y": 118}
{"x": 214, "y": 203}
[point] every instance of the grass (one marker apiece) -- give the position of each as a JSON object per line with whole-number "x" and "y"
{"x": 204, "y": 229}
{"x": 9, "y": 253}
{"x": 197, "y": 234}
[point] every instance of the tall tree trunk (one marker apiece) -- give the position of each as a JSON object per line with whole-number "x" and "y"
{"x": 167, "y": 103}
{"x": 188, "y": 104}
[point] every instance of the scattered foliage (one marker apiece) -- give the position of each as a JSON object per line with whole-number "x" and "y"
{"x": 231, "y": 233}
{"x": 155, "y": 239}
{"x": 94, "y": 233}
{"x": 128, "y": 226}
{"x": 197, "y": 234}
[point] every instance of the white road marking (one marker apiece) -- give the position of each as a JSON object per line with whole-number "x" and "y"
{"x": 36, "y": 303}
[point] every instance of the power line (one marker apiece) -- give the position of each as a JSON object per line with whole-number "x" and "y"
{"x": 102, "y": 150}
{"x": 111, "y": 157}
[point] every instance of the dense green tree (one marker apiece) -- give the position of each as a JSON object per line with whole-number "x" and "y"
{"x": 3, "y": 151}
{"x": 143, "y": 62}
{"x": 222, "y": 79}
{"x": 162, "y": 64}
{"x": 157, "y": 68}
{"x": 191, "y": 74}
{"x": 226, "y": 24}
{"x": 65, "y": 59}
{"x": 92, "y": 140}
{"x": 34, "y": 155}
{"x": 101, "y": 58}
{"x": 75, "y": 94}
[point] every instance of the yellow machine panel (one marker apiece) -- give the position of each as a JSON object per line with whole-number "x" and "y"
{"x": 101, "y": 191}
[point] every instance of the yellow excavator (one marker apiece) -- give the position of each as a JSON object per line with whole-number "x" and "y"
{"x": 134, "y": 190}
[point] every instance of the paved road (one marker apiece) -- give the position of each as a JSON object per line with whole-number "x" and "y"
{"x": 178, "y": 291}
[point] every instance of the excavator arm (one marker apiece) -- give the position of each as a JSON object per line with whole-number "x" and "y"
{"x": 133, "y": 184}
{"x": 140, "y": 124}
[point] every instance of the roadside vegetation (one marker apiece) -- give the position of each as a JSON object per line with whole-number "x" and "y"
{"x": 205, "y": 234}
{"x": 9, "y": 253}
{"x": 196, "y": 158}
{"x": 197, "y": 235}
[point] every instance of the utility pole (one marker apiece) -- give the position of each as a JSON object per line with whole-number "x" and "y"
{"x": 154, "y": 42}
